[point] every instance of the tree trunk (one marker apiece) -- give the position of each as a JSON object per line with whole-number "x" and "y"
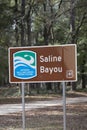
{"x": 72, "y": 21}
{"x": 45, "y": 33}
{"x": 72, "y": 29}
{"x": 83, "y": 80}
{"x": 29, "y": 28}
{"x": 83, "y": 76}
{"x": 22, "y": 23}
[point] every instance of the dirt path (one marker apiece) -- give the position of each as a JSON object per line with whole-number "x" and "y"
{"x": 12, "y": 108}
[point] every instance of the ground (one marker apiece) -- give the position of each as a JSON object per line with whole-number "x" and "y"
{"x": 49, "y": 118}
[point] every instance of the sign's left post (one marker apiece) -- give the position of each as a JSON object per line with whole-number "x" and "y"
{"x": 15, "y": 59}
{"x": 23, "y": 106}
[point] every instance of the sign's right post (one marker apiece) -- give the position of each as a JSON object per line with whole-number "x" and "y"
{"x": 64, "y": 106}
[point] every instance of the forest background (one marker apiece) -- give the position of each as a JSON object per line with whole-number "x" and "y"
{"x": 44, "y": 22}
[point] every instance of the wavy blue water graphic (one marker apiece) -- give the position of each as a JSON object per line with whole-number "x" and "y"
{"x": 23, "y": 69}
{"x": 20, "y": 60}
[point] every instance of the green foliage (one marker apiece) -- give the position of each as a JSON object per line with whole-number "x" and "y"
{"x": 5, "y": 15}
{"x": 43, "y": 22}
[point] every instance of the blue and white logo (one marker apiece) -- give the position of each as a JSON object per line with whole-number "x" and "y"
{"x": 25, "y": 66}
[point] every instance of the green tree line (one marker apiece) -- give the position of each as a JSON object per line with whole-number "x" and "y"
{"x": 43, "y": 22}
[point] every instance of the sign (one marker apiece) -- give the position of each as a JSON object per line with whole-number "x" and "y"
{"x": 43, "y": 64}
